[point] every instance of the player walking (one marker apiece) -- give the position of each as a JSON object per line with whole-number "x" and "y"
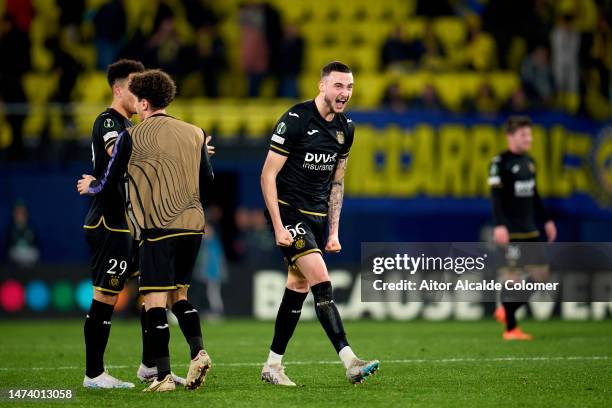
{"x": 516, "y": 207}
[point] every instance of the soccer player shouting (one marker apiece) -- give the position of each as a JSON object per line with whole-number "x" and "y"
{"x": 303, "y": 185}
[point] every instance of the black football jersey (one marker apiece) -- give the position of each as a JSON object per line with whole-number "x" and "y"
{"x": 110, "y": 203}
{"x": 313, "y": 147}
{"x": 516, "y": 202}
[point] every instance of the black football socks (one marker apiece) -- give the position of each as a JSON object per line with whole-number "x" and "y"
{"x": 287, "y": 319}
{"x": 96, "y": 329}
{"x": 328, "y": 315}
{"x": 189, "y": 322}
{"x": 147, "y": 352}
{"x": 159, "y": 335}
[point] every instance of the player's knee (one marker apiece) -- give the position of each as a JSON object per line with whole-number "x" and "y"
{"x": 105, "y": 297}
{"x": 298, "y": 285}
{"x": 177, "y": 295}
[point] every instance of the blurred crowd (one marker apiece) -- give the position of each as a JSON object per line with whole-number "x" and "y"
{"x": 560, "y": 50}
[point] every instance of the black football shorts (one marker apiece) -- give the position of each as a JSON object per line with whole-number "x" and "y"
{"x": 114, "y": 259}
{"x": 308, "y": 232}
{"x": 167, "y": 263}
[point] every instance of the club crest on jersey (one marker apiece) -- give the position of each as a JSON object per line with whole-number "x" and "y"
{"x": 300, "y": 243}
{"x": 108, "y": 123}
{"x": 340, "y": 136}
{"x": 281, "y": 128}
{"x": 114, "y": 282}
{"x": 531, "y": 167}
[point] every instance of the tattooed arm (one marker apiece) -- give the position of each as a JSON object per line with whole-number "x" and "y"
{"x": 335, "y": 205}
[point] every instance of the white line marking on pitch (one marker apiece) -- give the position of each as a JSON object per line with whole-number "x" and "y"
{"x": 405, "y": 361}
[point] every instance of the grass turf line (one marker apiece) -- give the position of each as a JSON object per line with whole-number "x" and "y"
{"x": 429, "y": 364}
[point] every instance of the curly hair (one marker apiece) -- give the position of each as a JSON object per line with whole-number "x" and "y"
{"x": 122, "y": 69}
{"x": 155, "y": 86}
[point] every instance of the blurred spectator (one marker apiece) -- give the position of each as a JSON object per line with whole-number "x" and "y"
{"x": 537, "y": 77}
{"x": 480, "y": 54}
{"x": 601, "y": 56}
{"x": 21, "y": 12}
{"x": 395, "y": 50}
{"x": 22, "y": 243}
{"x": 290, "y": 65}
{"x": 483, "y": 103}
{"x": 428, "y": 51}
{"x": 504, "y": 20}
{"x": 71, "y": 12}
{"x": 537, "y": 23}
{"x": 273, "y": 30}
{"x": 254, "y": 49}
{"x": 14, "y": 46}
{"x": 517, "y": 103}
{"x": 565, "y": 43}
{"x": 428, "y": 100}
{"x": 110, "y": 27}
{"x": 254, "y": 244}
{"x": 393, "y": 99}
{"x": 434, "y": 8}
{"x": 207, "y": 56}
{"x": 66, "y": 67}
{"x": 211, "y": 269}
{"x": 163, "y": 48}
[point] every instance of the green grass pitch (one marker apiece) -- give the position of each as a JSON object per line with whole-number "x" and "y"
{"x": 422, "y": 364}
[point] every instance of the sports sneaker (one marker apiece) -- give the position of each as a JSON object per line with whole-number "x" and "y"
{"x": 167, "y": 384}
{"x": 359, "y": 370}
{"x": 275, "y": 374}
{"x": 517, "y": 334}
{"x": 199, "y": 367}
{"x": 148, "y": 374}
{"x": 500, "y": 314}
{"x": 105, "y": 380}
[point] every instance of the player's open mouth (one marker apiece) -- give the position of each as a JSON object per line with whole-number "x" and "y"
{"x": 340, "y": 103}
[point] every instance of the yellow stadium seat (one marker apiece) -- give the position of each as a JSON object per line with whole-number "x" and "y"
{"x": 229, "y": 120}
{"x": 448, "y": 87}
{"x": 256, "y": 122}
{"x": 39, "y": 88}
{"x": 92, "y": 87}
{"x": 451, "y": 32}
{"x": 180, "y": 110}
{"x": 369, "y": 90}
{"x": 504, "y": 83}
{"x": 413, "y": 83}
{"x": 414, "y": 27}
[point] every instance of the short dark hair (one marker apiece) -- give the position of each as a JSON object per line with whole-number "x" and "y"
{"x": 335, "y": 66}
{"x": 122, "y": 69}
{"x": 155, "y": 86}
{"x": 515, "y": 122}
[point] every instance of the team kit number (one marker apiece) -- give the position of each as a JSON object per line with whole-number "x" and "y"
{"x": 114, "y": 263}
{"x": 295, "y": 231}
